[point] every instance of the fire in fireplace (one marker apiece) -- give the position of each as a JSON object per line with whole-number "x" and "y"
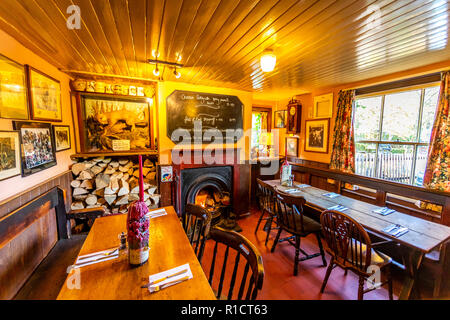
{"x": 217, "y": 203}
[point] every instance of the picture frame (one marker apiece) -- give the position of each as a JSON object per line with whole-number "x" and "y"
{"x": 62, "y": 137}
{"x": 103, "y": 118}
{"x": 10, "y": 160}
{"x": 44, "y": 96}
{"x": 13, "y": 90}
{"x": 37, "y": 146}
{"x": 280, "y": 119}
{"x": 292, "y": 144}
{"x": 317, "y": 135}
{"x": 323, "y": 106}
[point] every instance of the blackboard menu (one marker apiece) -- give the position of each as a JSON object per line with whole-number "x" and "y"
{"x": 203, "y": 115}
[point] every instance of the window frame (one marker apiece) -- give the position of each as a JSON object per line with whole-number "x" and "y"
{"x": 416, "y": 144}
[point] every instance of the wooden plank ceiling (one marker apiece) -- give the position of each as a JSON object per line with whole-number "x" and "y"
{"x": 317, "y": 43}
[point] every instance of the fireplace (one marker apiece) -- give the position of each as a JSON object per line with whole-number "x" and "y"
{"x": 210, "y": 187}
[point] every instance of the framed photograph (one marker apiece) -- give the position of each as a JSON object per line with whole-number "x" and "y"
{"x": 38, "y": 146}
{"x": 323, "y": 106}
{"x": 13, "y": 90}
{"x": 62, "y": 138}
{"x": 292, "y": 146}
{"x": 45, "y": 96}
{"x": 280, "y": 119}
{"x": 105, "y": 121}
{"x": 317, "y": 134}
{"x": 9, "y": 154}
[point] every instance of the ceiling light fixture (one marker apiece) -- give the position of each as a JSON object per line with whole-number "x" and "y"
{"x": 156, "y": 71}
{"x": 268, "y": 60}
{"x": 176, "y": 73}
{"x": 173, "y": 65}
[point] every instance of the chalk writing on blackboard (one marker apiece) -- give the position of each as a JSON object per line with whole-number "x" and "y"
{"x": 212, "y": 111}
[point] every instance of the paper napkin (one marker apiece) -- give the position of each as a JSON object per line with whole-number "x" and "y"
{"x": 170, "y": 281}
{"x": 384, "y": 211}
{"x": 96, "y": 257}
{"x": 396, "y": 230}
{"x": 331, "y": 195}
{"x": 302, "y": 185}
{"x": 338, "y": 208}
{"x": 156, "y": 213}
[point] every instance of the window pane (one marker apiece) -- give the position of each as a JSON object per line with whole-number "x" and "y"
{"x": 395, "y": 162}
{"x": 365, "y": 159}
{"x": 401, "y": 113}
{"x": 367, "y": 118}
{"x": 421, "y": 163}
{"x": 430, "y": 101}
{"x": 256, "y": 128}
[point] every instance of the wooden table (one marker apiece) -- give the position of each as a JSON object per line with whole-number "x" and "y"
{"x": 423, "y": 236}
{"x": 116, "y": 279}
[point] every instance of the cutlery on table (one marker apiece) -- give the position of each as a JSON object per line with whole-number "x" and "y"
{"x": 164, "y": 278}
{"x": 159, "y": 287}
{"x": 98, "y": 254}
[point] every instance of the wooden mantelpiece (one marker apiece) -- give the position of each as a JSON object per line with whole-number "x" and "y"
{"x": 115, "y": 154}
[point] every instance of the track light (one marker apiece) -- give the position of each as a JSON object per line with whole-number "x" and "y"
{"x": 156, "y": 71}
{"x": 176, "y": 73}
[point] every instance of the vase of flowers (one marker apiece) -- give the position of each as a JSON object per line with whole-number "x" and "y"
{"x": 138, "y": 226}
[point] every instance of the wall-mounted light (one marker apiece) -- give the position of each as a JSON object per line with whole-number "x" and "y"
{"x": 268, "y": 60}
{"x": 173, "y": 65}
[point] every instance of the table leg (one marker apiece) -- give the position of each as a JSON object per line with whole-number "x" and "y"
{"x": 412, "y": 263}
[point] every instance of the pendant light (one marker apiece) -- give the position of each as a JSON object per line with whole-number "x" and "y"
{"x": 268, "y": 60}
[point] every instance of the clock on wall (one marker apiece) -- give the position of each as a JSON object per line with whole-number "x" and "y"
{"x": 294, "y": 115}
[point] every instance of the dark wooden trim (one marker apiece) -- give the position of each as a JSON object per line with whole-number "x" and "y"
{"x": 425, "y": 79}
{"x": 60, "y": 212}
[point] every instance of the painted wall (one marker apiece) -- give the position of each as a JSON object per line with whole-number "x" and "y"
{"x": 12, "y": 49}
{"x": 165, "y": 145}
{"x": 307, "y": 102}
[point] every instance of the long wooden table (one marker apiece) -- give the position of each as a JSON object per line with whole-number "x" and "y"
{"x": 116, "y": 279}
{"x": 423, "y": 236}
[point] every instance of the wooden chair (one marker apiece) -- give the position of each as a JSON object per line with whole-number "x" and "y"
{"x": 291, "y": 219}
{"x": 253, "y": 263}
{"x": 434, "y": 265}
{"x": 196, "y": 224}
{"x": 266, "y": 198}
{"x": 349, "y": 246}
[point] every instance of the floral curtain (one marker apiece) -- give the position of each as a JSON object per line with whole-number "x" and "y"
{"x": 437, "y": 173}
{"x": 343, "y": 152}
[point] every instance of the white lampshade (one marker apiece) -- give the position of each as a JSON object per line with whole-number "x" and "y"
{"x": 268, "y": 61}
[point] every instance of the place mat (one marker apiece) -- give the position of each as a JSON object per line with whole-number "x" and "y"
{"x": 384, "y": 211}
{"x": 338, "y": 207}
{"x": 96, "y": 257}
{"x": 156, "y": 213}
{"x": 395, "y": 230}
{"x": 302, "y": 185}
{"x": 291, "y": 190}
{"x": 331, "y": 195}
{"x": 168, "y": 278}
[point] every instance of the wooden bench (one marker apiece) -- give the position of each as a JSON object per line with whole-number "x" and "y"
{"x": 36, "y": 246}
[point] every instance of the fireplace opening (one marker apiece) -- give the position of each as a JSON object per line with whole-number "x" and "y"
{"x": 216, "y": 202}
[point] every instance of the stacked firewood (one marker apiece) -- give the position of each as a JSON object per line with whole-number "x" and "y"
{"x": 112, "y": 184}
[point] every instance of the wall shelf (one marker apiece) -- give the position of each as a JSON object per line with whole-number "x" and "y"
{"x": 114, "y": 154}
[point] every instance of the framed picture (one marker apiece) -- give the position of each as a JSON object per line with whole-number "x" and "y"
{"x": 13, "y": 90}
{"x": 292, "y": 146}
{"x": 104, "y": 121}
{"x": 38, "y": 146}
{"x": 317, "y": 134}
{"x": 9, "y": 154}
{"x": 280, "y": 119}
{"x": 323, "y": 106}
{"x": 45, "y": 96}
{"x": 62, "y": 138}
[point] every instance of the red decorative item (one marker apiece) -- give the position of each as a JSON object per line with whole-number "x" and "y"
{"x": 137, "y": 226}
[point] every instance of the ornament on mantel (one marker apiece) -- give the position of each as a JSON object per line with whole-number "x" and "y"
{"x": 138, "y": 226}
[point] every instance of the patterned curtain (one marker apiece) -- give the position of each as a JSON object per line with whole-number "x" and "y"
{"x": 343, "y": 152}
{"x": 437, "y": 173}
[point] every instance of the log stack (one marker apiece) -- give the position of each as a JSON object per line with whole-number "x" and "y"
{"x": 112, "y": 183}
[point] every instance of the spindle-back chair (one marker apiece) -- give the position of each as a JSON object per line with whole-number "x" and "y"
{"x": 253, "y": 263}
{"x": 196, "y": 224}
{"x": 266, "y": 198}
{"x": 290, "y": 218}
{"x": 350, "y": 248}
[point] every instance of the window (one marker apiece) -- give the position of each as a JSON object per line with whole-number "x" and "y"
{"x": 392, "y": 134}
{"x": 261, "y": 119}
